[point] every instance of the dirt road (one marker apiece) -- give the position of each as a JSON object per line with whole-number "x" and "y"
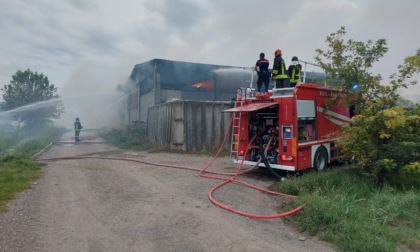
{"x": 109, "y": 205}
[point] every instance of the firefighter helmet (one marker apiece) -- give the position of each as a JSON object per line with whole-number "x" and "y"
{"x": 277, "y": 52}
{"x": 295, "y": 58}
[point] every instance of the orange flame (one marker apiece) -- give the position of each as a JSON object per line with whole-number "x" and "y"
{"x": 208, "y": 85}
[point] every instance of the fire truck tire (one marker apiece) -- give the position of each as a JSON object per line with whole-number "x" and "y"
{"x": 321, "y": 159}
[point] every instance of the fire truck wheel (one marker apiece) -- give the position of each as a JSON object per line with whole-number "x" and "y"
{"x": 321, "y": 159}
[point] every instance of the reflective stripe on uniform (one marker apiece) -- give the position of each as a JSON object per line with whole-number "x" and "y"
{"x": 282, "y": 75}
{"x": 292, "y": 78}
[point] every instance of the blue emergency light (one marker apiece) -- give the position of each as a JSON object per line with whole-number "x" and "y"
{"x": 354, "y": 86}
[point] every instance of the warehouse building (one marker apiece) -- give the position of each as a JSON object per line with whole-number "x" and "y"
{"x": 158, "y": 81}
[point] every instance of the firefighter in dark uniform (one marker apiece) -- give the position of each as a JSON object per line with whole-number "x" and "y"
{"x": 77, "y": 128}
{"x": 279, "y": 70}
{"x": 261, "y": 67}
{"x": 294, "y": 71}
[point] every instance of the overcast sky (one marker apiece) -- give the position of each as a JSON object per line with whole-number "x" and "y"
{"x": 87, "y": 46}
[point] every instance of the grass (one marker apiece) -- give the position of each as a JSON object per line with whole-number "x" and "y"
{"x": 343, "y": 208}
{"x": 16, "y": 174}
{"x": 17, "y": 169}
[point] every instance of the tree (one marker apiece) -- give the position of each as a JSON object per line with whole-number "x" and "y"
{"x": 383, "y": 136}
{"x": 406, "y": 71}
{"x": 386, "y": 145}
{"x": 35, "y": 96}
{"x": 347, "y": 66}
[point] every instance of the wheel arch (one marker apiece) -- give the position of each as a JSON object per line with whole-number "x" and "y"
{"x": 314, "y": 149}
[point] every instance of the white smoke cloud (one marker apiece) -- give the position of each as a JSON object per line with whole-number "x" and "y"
{"x": 83, "y": 43}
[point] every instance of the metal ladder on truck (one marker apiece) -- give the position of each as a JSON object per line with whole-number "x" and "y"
{"x": 241, "y": 95}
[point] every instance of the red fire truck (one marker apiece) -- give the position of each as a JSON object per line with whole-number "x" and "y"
{"x": 294, "y": 127}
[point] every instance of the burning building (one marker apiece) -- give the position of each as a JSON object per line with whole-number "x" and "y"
{"x": 158, "y": 81}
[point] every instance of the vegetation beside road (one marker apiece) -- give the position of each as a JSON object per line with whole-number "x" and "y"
{"x": 343, "y": 207}
{"x": 16, "y": 174}
{"x": 130, "y": 137}
{"x": 17, "y": 169}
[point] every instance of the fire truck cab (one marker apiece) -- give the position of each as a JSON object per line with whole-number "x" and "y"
{"x": 295, "y": 128}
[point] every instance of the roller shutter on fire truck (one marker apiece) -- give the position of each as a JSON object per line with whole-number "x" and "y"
{"x": 306, "y": 132}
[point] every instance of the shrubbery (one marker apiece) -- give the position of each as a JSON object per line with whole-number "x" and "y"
{"x": 22, "y": 142}
{"x": 132, "y": 136}
{"x": 386, "y": 145}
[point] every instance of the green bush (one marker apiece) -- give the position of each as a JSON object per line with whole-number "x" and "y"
{"x": 132, "y": 136}
{"x": 386, "y": 145}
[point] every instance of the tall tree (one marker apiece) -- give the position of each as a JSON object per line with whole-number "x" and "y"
{"x": 348, "y": 65}
{"x": 35, "y": 96}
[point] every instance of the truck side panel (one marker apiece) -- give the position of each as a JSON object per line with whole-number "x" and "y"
{"x": 304, "y": 158}
{"x": 286, "y": 132}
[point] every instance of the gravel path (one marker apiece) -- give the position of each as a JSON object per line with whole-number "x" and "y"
{"x": 109, "y": 205}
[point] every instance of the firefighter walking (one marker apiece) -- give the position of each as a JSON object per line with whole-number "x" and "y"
{"x": 279, "y": 70}
{"x": 77, "y": 128}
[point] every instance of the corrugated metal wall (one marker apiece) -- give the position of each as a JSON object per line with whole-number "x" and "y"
{"x": 158, "y": 81}
{"x": 188, "y": 125}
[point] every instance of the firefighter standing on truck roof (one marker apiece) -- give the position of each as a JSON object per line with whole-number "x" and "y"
{"x": 294, "y": 71}
{"x": 279, "y": 70}
{"x": 263, "y": 74}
